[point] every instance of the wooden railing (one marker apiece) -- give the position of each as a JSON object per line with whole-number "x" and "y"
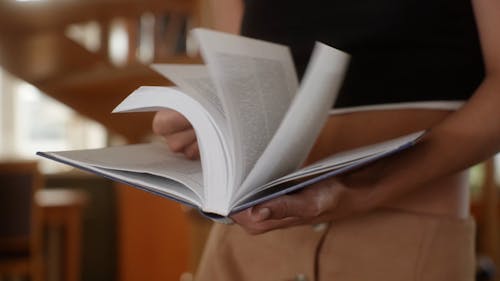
{"x": 34, "y": 47}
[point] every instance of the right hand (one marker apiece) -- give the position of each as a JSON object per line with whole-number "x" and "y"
{"x": 177, "y": 131}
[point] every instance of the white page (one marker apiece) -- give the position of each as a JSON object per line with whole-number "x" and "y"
{"x": 341, "y": 160}
{"x": 360, "y": 153}
{"x": 299, "y": 176}
{"x": 152, "y": 183}
{"x": 304, "y": 120}
{"x": 157, "y": 185}
{"x": 195, "y": 81}
{"x": 213, "y": 156}
{"x": 153, "y": 158}
{"x": 257, "y": 82}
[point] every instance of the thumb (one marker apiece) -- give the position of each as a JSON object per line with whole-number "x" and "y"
{"x": 311, "y": 202}
{"x": 281, "y": 207}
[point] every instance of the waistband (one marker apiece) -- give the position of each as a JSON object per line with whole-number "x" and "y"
{"x": 436, "y": 105}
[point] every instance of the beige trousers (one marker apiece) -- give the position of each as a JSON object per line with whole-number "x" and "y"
{"x": 382, "y": 245}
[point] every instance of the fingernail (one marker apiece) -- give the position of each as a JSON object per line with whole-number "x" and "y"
{"x": 262, "y": 214}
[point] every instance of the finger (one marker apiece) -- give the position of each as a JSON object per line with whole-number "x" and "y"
{"x": 256, "y": 223}
{"x": 250, "y": 216}
{"x": 167, "y": 122}
{"x": 309, "y": 203}
{"x": 192, "y": 151}
{"x": 284, "y": 206}
{"x": 179, "y": 141}
{"x": 269, "y": 225}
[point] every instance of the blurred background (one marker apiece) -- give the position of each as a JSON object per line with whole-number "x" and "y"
{"x": 64, "y": 65}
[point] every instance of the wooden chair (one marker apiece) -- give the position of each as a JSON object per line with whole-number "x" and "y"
{"x": 20, "y": 221}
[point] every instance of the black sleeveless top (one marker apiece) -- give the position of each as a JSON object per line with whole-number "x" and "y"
{"x": 402, "y": 50}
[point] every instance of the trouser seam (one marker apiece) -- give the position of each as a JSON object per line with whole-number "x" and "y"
{"x": 317, "y": 253}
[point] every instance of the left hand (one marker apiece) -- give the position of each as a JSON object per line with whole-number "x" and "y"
{"x": 325, "y": 201}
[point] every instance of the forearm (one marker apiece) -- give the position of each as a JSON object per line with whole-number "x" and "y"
{"x": 466, "y": 137}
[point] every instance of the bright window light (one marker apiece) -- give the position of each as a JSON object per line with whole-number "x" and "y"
{"x": 86, "y": 34}
{"x": 32, "y": 121}
{"x": 118, "y": 42}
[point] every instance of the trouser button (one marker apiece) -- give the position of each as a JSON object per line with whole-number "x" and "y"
{"x": 300, "y": 277}
{"x": 320, "y": 227}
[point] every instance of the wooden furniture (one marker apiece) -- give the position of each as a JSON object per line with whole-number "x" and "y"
{"x": 62, "y": 220}
{"x": 20, "y": 228}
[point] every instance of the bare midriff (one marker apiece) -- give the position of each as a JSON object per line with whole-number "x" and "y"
{"x": 446, "y": 196}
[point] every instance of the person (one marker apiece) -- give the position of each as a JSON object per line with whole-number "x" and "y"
{"x": 402, "y": 218}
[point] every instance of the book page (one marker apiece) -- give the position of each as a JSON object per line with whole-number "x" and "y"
{"x": 195, "y": 81}
{"x": 212, "y": 151}
{"x": 256, "y": 81}
{"x": 178, "y": 186}
{"x": 153, "y": 158}
{"x": 350, "y": 157}
{"x": 304, "y": 120}
{"x": 331, "y": 166}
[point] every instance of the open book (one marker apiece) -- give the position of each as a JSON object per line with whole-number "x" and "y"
{"x": 255, "y": 127}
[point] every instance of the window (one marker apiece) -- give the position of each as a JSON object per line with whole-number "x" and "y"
{"x": 31, "y": 121}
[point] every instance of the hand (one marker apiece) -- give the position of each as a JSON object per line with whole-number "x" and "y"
{"x": 177, "y": 131}
{"x": 323, "y": 202}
